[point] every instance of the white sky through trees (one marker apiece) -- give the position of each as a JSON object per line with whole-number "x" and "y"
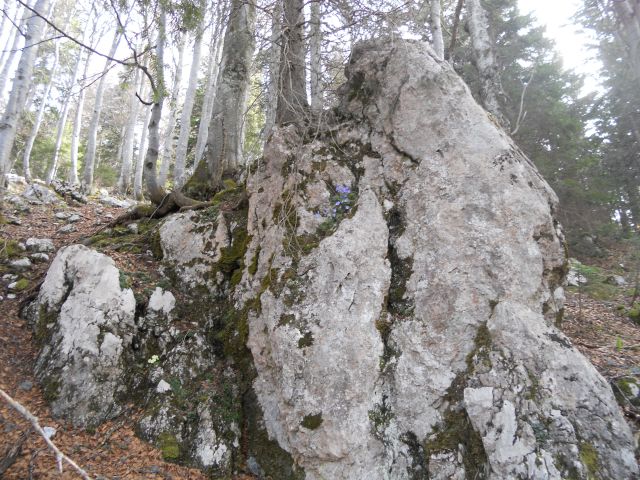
{"x": 572, "y": 42}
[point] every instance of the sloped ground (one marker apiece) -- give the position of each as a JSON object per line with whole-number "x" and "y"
{"x": 600, "y": 328}
{"x": 112, "y": 451}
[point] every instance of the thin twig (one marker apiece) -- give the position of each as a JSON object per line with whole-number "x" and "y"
{"x": 520, "y": 114}
{"x": 36, "y": 425}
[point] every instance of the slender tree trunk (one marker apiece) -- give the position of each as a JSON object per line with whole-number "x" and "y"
{"x": 224, "y": 144}
{"x": 292, "y": 90}
{"x": 11, "y": 51}
{"x": 92, "y": 140}
{"x": 628, "y": 14}
{"x": 212, "y": 80}
{"x": 124, "y": 180}
{"x": 454, "y": 29}
{"x": 11, "y": 118}
{"x": 77, "y": 127}
{"x": 156, "y": 192}
{"x": 436, "y": 29}
{"x": 490, "y": 84}
{"x": 315, "y": 60}
{"x": 187, "y": 108}
{"x": 274, "y": 69}
{"x": 26, "y": 157}
{"x": 142, "y": 152}
{"x": 66, "y": 103}
{"x": 169, "y": 136}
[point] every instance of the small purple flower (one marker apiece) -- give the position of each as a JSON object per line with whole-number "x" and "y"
{"x": 343, "y": 189}
{"x": 338, "y": 203}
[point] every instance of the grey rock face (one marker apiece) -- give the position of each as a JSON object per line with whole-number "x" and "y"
{"x": 617, "y": 280}
{"x": 85, "y": 321}
{"x": 192, "y": 246}
{"x": 40, "y": 245}
{"x": 409, "y": 269}
{"x": 110, "y": 201}
{"x": 39, "y": 194}
{"x": 20, "y": 265}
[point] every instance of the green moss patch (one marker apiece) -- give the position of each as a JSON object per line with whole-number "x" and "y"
{"x": 589, "y": 458}
{"x": 169, "y": 446}
{"x": 312, "y": 422}
{"x": 21, "y": 285}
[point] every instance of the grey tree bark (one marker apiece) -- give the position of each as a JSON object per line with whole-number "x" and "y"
{"x": 26, "y": 157}
{"x": 11, "y": 51}
{"x": 490, "y": 84}
{"x": 292, "y": 90}
{"x": 628, "y": 15}
{"x": 315, "y": 60}
{"x": 11, "y": 118}
{"x": 169, "y": 146}
{"x": 187, "y": 108}
{"x": 62, "y": 121}
{"x": 274, "y": 69}
{"x": 124, "y": 180}
{"x": 142, "y": 152}
{"x": 156, "y": 192}
{"x": 436, "y": 29}
{"x": 224, "y": 142}
{"x": 72, "y": 177}
{"x": 212, "y": 80}
{"x": 92, "y": 136}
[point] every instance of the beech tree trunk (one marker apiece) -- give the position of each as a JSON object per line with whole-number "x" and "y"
{"x": 436, "y": 29}
{"x": 224, "y": 143}
{"x": 170, "y": 139}
{"x": 26, "y": 157}
{"x": 315, "y": 60}
{"x": 11, "y": 118}
{"x": 62, "y": 121}
{"x": 72, "y": 177}
{"x": 11, "y": 51}
{"x": 490, "y": 84}
{"x": 156, "y": 192}
{"x": 292, "y": 91}
{"x": 628, "y": 14}
{"x": 212, "y": 80}
{"x": 92, "y": 137}
{"x": 142, "y": 151}
{"x": 124, "y": 180}
{"x": 187, "y": 108}
{"x": 274, "y": 69}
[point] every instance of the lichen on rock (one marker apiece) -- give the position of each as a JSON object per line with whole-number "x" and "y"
{"x": 85, "y": 323}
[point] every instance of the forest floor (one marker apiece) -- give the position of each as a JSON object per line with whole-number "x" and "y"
{"x": 600, "y": 329}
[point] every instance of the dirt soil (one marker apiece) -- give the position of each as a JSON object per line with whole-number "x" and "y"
{"x": 609, "y": 339}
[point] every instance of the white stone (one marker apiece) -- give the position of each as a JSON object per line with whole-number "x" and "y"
{"x": 94, "y": 325}
{"x": 70, "y": 228}
{"x": 21, "y": 264}
{"x": 163, "y": 387}
{"x": 40, "y": 245}
{"x": 40, "y": 257}
{"x": 161, "y": 301}
{"x": 456, "y": 276}
{"x": 74, "y": 218}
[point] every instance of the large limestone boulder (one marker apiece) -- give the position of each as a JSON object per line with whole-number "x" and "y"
{"x": 84, "y": 320}
{"x": 191, "y": 245}
{"x": 406, "y": 289}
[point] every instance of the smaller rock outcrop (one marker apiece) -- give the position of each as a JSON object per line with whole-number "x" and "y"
{"x": 84, "y": 320}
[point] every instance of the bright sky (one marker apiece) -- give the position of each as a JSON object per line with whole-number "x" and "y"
{"x": 571, "y": 42}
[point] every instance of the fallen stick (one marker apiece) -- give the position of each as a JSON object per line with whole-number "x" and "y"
{"x": 36, "y": 425}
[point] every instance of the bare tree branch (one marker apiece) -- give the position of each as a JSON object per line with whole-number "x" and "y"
{"x": 60, "y": 457}
{"x": 520, "y": 114}
{"x": 6, "y": 14}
